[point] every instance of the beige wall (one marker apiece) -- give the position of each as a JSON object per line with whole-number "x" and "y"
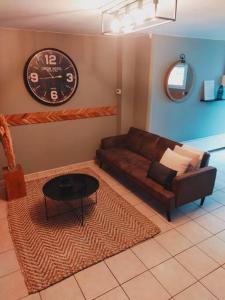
{"x": 43, "y": 146}
{"x": 104, "y": 64}
{"x": 142, "y": 81}
{"x": 135, "y": 62}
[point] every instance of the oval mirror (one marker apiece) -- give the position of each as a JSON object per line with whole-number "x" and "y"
{"x": 179, "y": 80}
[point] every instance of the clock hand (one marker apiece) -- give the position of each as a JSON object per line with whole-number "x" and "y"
{"x": 45, "y": 78}
{"x": 49, "y": 73}
{"x": 52, "y": 77}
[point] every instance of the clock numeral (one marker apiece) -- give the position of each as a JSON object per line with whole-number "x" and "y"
{"x": 69, "y": 77}
{"x": 50, "y": 59}
{"x": 54, "y": 95}
{"x": 34, "y": 77}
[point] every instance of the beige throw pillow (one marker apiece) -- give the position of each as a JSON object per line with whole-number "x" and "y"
{"x": 195, "y": 157}
{"x": 196, "y": 151}
{"x": 175, "y": 161}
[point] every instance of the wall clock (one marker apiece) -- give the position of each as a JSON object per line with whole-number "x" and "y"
{"x": 50, "y": 76}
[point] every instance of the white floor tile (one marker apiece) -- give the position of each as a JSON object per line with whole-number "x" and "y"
{"x": 219, "y": 212}
{"x": 132, "y": 199}
{"x": 67, "y": 289}
{"x": 32, "y": 297}
{"x": 146, "y": 210}
{"x": 173, "y": 276}
{"x": 215, "y": 248}
{"x": 192, "y": 210}
{"x": 173, "y": 242}
{"x": 8, "y": 262}
{"x": 214, "y": 282}
{"x": 115, "y": 294}
{"x": 197, "y": 262}
{"x": 161, "y": 223}
{"x": 151, "y": 253}
{"x": 125, "y": 265}
{"x": 96, "y": 280}
{"x": 195, "y": 292}
{"x": 194, "y": 232}
{"x": 145, "y": 287}
{"x": 12, "y": 287}
{"x": 211, "y": 223}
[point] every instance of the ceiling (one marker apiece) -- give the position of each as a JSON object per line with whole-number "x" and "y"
{"x": 196, "y": 18}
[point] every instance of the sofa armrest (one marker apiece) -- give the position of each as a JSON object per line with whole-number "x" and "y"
{"x": 113, "y": 141}
{"x": 193, "y": 185}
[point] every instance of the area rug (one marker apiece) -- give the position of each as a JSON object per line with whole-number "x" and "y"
{"x": 49, "y": 251}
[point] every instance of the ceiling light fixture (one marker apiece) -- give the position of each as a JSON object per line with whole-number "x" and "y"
{"x": 135, "y": 15}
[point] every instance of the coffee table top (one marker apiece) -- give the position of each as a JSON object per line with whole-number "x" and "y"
{"x": 70, "y": 187}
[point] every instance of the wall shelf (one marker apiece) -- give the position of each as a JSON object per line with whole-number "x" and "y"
{"x": 213, "y": 100}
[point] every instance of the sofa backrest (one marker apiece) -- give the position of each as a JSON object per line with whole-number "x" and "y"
{"x": 149, "y": 145}
{"x": 152, "y": 146}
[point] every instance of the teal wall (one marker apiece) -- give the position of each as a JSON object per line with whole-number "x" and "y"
{"x": 191, "y": 118}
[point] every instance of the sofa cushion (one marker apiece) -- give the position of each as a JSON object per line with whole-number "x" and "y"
{"x": 194, "y": 150}
{"x": 162, "y": 145}
{"x": 134, "y": 139}
{"x": 161, "y": 174}
{"x": 124, "y": 159}
{"x": 148, "y": 146}
{"x": 195, "y": 157}
{"x": 175, "y": 161}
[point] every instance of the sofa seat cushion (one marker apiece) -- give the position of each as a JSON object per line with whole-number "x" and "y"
{"x": 124, "y": 159}
{"x": 156, "y": 190}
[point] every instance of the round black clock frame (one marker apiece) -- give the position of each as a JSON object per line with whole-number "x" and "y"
{"x": 50, "y": 76}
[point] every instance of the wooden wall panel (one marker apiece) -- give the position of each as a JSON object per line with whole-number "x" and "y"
{"x": 61, "y": 115}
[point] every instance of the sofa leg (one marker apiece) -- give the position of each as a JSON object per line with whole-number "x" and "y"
{"x": 202, "y": 201}
{"x": 168, "y": 215}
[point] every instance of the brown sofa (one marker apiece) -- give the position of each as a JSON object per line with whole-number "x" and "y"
{"x": 130, "y": 155}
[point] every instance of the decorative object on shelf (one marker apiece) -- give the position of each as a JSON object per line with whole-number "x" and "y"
{"x": 179, "y": 80}
{"x": 220, "y": 92}
{"x": 50, "y": 76}
{"x": 209, "y": 90}
{"x": 134, "y": 15}
{"x": 13, "y": 174}
{"x": 223, "y": 84}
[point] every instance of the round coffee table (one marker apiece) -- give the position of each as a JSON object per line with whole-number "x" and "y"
{"x": 70, "y": 187}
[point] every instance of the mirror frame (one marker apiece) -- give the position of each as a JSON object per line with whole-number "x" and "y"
{"x": 170, "y": 68}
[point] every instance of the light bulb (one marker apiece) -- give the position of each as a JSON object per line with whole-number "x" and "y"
{"x": 138, "y": 16}
{"x": 127, "y": 23}
{"x": 126, "y": 20}
{"x": 115, "y": 25}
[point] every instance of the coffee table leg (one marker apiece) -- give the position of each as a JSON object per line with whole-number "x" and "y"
{"x": 82, "y": 211}
{"x": 96, "y": 197}
{"x": 46, "y": 210}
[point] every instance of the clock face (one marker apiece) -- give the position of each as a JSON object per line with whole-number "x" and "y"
{"x": 51, "y": 77}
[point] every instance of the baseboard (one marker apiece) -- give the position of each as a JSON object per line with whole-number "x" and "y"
{"x": 50, "y": 172}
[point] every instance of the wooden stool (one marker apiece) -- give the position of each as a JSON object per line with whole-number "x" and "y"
{"x": 14, "y": 183}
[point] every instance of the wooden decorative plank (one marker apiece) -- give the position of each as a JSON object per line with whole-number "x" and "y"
{"x": 61, "y": 115}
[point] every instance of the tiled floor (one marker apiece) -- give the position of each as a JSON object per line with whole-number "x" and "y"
{"x": 185, "y": 262}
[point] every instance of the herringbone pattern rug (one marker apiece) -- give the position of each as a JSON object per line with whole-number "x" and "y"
{"x": 49, "y": 251}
